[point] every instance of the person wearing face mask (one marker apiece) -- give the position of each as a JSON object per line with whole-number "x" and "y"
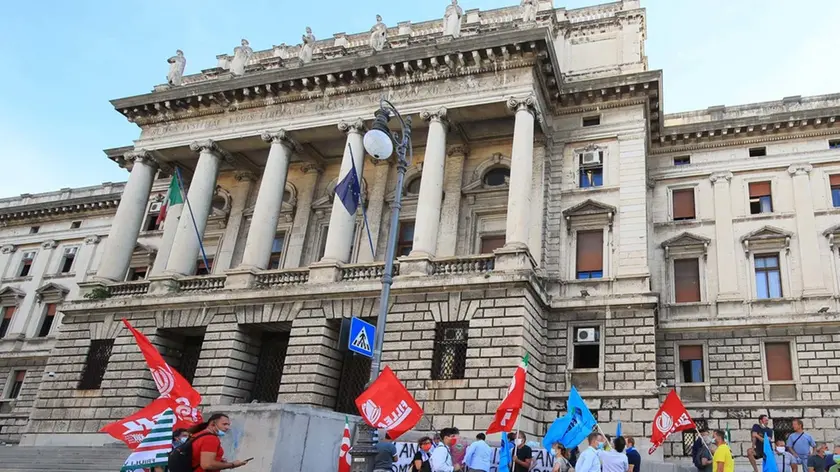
{"x": 835, "y": 458}
{"x": 722, "y": 460}
{"x": 615, "y": 460}
{"x": 785, "y": 461}
{"x": 589, "y": 460}
{"x": 561, "y": 459}
{"x": 420, "y": 463}
{"x": 441, "y": 459}
{"x": 633, "y": 456}
{"x": 207, "y": 452}
{"x": 704, "y": 458}
{"x": 179, "y": 437}
{"x": 524, "y": 454}
{"x": 818, "y": 462}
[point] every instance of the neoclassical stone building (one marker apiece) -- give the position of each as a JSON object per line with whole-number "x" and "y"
{"x": 551, "y": 208}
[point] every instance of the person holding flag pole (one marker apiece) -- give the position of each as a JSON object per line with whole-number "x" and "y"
{"x": 507, "y": 414}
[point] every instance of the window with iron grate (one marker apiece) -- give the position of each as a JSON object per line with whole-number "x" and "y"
{"x": 189, "y": 356}
{"x": 688, "y": 437}
{"x": 450, "y": 356}
{"x": 355, "y": 373}
{"x": 96, "y": 364}
{"x": 270, "y": 366}
{"x": 782, "y": 428}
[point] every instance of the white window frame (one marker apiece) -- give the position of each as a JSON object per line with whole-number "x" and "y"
{"x": 606, "y": 269}
{"x": 794, "y": 367}
{"x": 8, "y": 388}
{"x": 672, "y": 277}
{"x": 746, "y": 194}
{"x": 570, "y": 351}
{"x": 678, "y": 382}
{"x": 63, "y": 256}
{"x": 696, "y": 201}
{"x": 784, "y": 271}
{"x": 578, "y": 157}
{"x": 22, "y": 259}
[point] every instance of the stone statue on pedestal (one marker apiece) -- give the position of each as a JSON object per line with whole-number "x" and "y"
{"x": 241, "y": 54}
{"x": 177, "y": 64}
{"x": 378, "y": 35}
{"x": 452, "y": 20}
{"x": 307, "y": 47}
{"x": 529, "y": 10}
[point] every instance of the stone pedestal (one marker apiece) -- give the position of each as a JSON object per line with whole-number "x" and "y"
{"x": 241, "y": 278}
{"x": 324, "y": 273}
{"x": 514, "y": 259}
{"x": 163, "y": 284}
{"x": 415, "y": 266}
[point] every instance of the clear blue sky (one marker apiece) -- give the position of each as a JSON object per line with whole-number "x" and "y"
{"x": 63, "y": 60}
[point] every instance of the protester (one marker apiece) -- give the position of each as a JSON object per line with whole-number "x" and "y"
{"x": 785, "y": 461}
{"x": 524, "y": 454}
{"x": 207, "y": 452}
{"x": 479, "y": 456}
{"x": 757, "y": 438}
{"x": 723, "y": 461}
{"x": 800, "y": 443}
{"x": 573, "y": 456}
{"x": 818, "y": 462}
{"x": 615, "y": 460}
{"x": 386, "y": 453}
{"x": 420, "y": 463}
{"x": 701, "y": 451}
{"x": 441, "y": 460}
{"x": 561, "y": 459}
{"x": 588, "y": 461}
{"x": 835, "y": 459}
{"x": 633, "y": 456}
{"x": 179, "y": 437}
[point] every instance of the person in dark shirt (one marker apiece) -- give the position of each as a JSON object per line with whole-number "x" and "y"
{"x": 633, "y": 456}
{"x": 757, "y": 435}
{"x": 420, "y": 463}
{"x": 818, "y": 462}
{"x": 704, "y": 437}
{"x": 524, "y": 455}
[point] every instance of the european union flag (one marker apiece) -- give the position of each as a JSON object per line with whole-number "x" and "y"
{"x": 573, "y": 428}
{"x": 505, "y": 453}
{"x": 349, "y": 191}
{"x": 769, "y": 463}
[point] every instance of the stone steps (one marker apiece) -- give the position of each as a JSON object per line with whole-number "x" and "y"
{"x": 64, "y": 459}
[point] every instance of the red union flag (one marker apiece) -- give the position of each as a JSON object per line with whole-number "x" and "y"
{"x": 132, "y": 429}
{"x": 672, "y": 417}
{"x": 508, "y": 410}
{"x": 344, "y": 452}
{"x": 387, "y": 404}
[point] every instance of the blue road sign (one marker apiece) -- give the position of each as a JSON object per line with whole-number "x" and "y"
{"x": 361, "y": 339}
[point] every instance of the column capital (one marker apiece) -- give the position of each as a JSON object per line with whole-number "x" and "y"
{"x": 8, "y": 249}
{"x": 92, "y": 239}
{"x": 527, "y": 103}
{"x": 458, "y": 150}
{"x": 244, "y": 175}
{"x": 722, "y": 177}
{"x": 800, "y": 169}
{"x": 51, "y": 244}
{"x": 206, "y": 145}
{"x": 141, "y": 155}
{"x": 311, "y": 168}
{"x": 281, "y": 137}
{"x": 352, "y": 126}
{"x": 438, "y": 115}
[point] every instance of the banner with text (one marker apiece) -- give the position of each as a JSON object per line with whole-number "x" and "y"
{"x": 543, "y": 460}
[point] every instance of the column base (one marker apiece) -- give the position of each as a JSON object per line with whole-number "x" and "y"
{"x": 243, "y": 277}
{"x": 514, "y": 258}
{"x": 163, "y": 284}
{"x": 324, "y": 272}
{"x": 416, "y": 265}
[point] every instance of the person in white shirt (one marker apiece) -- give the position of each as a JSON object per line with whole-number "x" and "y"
{"x": 441, "y": 459}
{"x": 615, "y": 460}
{"x": 479, "y": 456}
{"x": 589, "y": 460}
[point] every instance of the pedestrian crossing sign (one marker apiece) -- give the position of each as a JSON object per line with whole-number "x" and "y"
{"x": 361, "y": 338}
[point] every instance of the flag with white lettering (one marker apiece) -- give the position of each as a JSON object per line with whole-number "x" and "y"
{"x": 153, "y": 450}
{"x": 388, "y": 405}
{"x": 672, "y": 417}
{"x": 508, "y": 410}
{"x": 132, "y": 429}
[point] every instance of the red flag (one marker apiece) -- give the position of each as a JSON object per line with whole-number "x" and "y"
{"x": 672, "y": 417}
{"x": 508, "y": 410}
{"x": 344, "y": 452}
{"x": 169, "y": 382}
{"x": 131, "y": 430}
{"x": 387, "y": 404}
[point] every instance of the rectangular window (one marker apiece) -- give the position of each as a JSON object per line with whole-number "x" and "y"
{"x": 76, "y": 225}
{"x": 587, "y": 348}
{"x": 834, "y": 181}
{"x": 834, "y": 143}
{"x": 590, "y": 254}
{"x": 152, "y": 223}
{"x": 449, "y": 360}
{"x": 270, "y": 364}
{"x": 591, "y": 165}
{"x": 777, "y": 357}
{"x": 189, "y": 356}
{"x": 768, "y": 276}
{"x": 683, "y": 202}
{"x": 17, "y": 383}
{"x": 591, "y": 121}
{"x": 405, "y": 241}
{"x": 276, "y": 252}
{"x": 691, "y": 364}
{"x": 758, "y": 151}
{"x": 761, "y": 200}
{"x": 26, "y": 264}
{"x": 96, "y": 364}
{"x": 136, "y": 273}
{"x": 49, "y": 317}
{"x": 67, "y": 260}
{"x": 491, "y": 243}
{"x": 203, "y": 269}
{"x": 34, "y": 229}
{"x": 686, "y": 280}
{"x": 682, "y": 160}
{"x": 8, "y": 313}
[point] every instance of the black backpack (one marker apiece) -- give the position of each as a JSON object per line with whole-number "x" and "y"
{"x": 180, "y": 458}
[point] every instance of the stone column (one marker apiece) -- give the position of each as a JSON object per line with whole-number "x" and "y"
{"x": 129, "y": 218}
{"x": 427, "y": 221}
{"x": 375, "y": 205}
{"x": 240, "y": 194}
{"x": 185, "y": 247}
{"x": 170, "y": 227}
{"x": 451, "y": 210}
{"x": 809, "y": 248}
{"x": 340, "y": 233}
{"x": 267, "y": 209}
{"x": 84, "y": 260}
{"x": 724, "y": 239}
{"x": 303, "y": 212}
{"x": 521, "y": 173}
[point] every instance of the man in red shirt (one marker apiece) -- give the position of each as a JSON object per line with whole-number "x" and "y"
{"x": 207, "y": 452}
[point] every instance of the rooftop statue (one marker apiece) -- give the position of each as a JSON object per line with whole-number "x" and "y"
{"x": 452, "y": 20}
{"x": 378, "y": 35}
{"x": 241, "y": 54}
{"x": 529, "y": 10}
{"x": 177, "y": 64}
{"x": 308, "y": 47}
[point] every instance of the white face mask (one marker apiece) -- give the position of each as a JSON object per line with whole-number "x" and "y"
{"x": 780, "y": 449}
{"x": 518, "y": 441}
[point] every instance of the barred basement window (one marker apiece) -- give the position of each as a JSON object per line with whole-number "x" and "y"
{"x": 450, "y": 356}
{"x": 782, "y": 428}
{"x": 96, "y": 364}
{"x": 189, "y": 357}
{"x": 688, "y": 437}
{"x": 355, "y": 373}
{"x": 270, "y": 366}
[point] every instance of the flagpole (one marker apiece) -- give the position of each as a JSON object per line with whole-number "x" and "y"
{"x": 364, "y": 211}
{"x": 192, "y": 216}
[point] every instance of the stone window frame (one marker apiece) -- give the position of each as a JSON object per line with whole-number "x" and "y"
{"x": 23, "y": 253}
{"x": 144, "y": 257}
{"x": 476, "y": 217}
{"x": 678, "y": 383}
{"x": 768, "y": 240}
{"x": 601, "y": 325}
{"x": 687, "y": 246}
{"x": 833, "y": 236}
{"x": 671, "y": 188}
{"x": 577, "y": 154}
{"x": 10, "y": 379}
{"x": 590, "y": 215}
{"x": 774, "y": 188}
{"x": 63, "y": 253}
{"x": 11, "y": 297}
{"x": 51, "y": 293}
{"x": 794, "y": 367}
{"x": 160, "y": 199}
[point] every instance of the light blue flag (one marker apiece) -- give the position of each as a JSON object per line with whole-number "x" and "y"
{"x": 769, "y": 463}
{"x": 573, "y": 428}
{"x": 618, "y": 429}
{"x": 505, "y": 453}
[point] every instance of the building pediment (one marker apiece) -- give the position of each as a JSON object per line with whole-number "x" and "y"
{"x": 768, "y": 237}
{"x": 52, "y": 292}
{"x": 686, "y": 243}
{"x": 11, "y": 296}
{"x": 588, "y": 208}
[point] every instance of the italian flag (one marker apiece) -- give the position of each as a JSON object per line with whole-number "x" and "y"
{"x": 173, "y": 197}
{"x": 154, "y": 450}
{"x": 508, "y": 410}
{"x": 344, "y": 452}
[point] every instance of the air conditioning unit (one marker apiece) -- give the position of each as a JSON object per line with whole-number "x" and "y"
{"x": 590, "y": 158}
{"x": 155, "y": 207}
{"x": 28, "y": 255}
{"x": 71, "y": 251}
{"x": 586, "y": 335}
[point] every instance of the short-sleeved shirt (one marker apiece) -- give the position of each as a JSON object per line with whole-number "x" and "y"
{"x": 634, "y": 458}
{"x": 724, "y": 455}
{"x": 818, "y": 463}
{"x": 613, "y": 461}
{"x": 759, "y": 443}
{"x": 206, "y": 443}
{"x": 385, "y": 452}
{"x": 784, "y": 461}
{"x": 801, "y": 444}
{"x": 705, "y": 453}
{"x": 523, "y": 453}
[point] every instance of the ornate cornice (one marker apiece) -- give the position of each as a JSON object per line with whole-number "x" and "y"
{"x": 458, "y": 150}
{"x": 55, "y": 209}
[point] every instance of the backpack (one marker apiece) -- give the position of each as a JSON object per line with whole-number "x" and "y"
{"x": 180, "y": 458}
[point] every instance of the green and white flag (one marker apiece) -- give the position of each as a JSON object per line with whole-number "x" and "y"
{"x": 154, "y": 450}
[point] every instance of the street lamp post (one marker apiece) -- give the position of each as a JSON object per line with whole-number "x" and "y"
{"x": 380, "y": 143}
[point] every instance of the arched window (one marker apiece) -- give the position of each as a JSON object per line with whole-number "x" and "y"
{"x": 496, "y": 177}
{"x": 413, "y": 186}
{"x": 287, "y": 196}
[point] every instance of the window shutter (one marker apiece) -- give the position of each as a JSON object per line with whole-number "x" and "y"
{"x": 20, "y": 375}
{"x": 759, "y": 189}
{"x": 51, "y": 309}
{"x": 590, "y": 250}
{"x": 687, "y": 280}
{"x": 683, "y": 203}
{"x": 491, "y": 243}
{"x": 8, "y": 312}
{"x": 691, "y": 353}
{"x": 778, "y": 361}
{"x": 834, "y": 180}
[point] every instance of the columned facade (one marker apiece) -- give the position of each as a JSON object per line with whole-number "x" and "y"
{"x": 427, "y": 223}
{"x": 521, "y": 173}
